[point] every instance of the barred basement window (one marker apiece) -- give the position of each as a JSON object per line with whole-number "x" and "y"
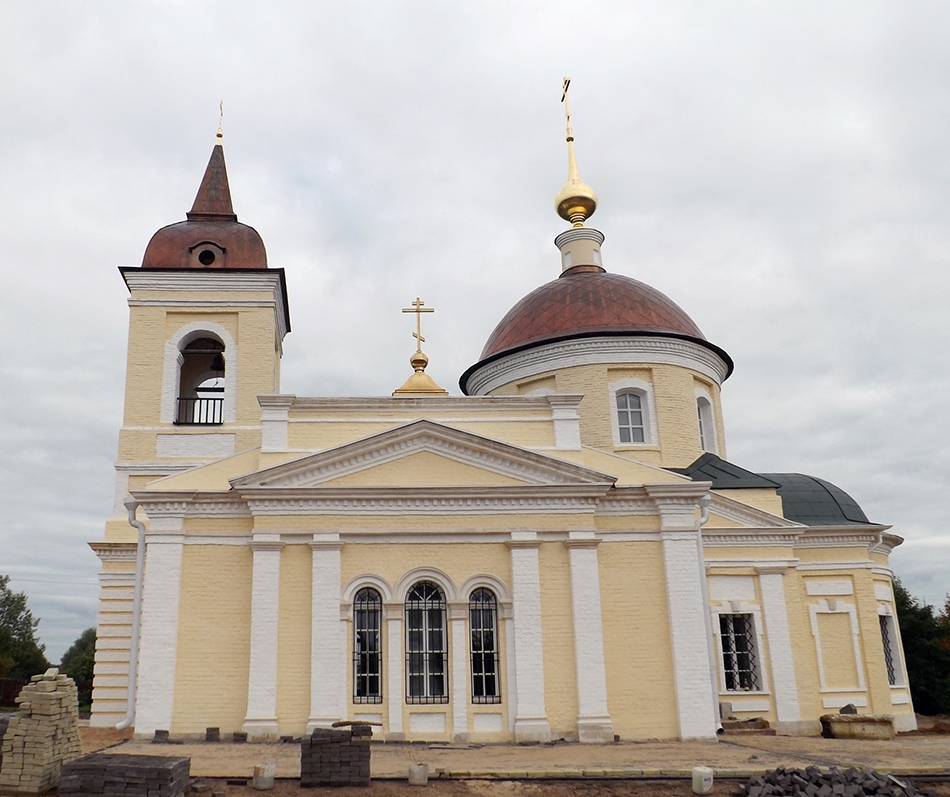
{"x": 739, "y": 664}
{"x": 426, "y": 649}
{"x": 367, "y": 648}
{"x": 630, "y": 412}
{"x": 483, "y": 623}
{"x": 888, "y": 641}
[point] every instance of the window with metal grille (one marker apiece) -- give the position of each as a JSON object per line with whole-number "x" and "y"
{"x": 367, "y": 647}
{"x": 739, "y": 663}
{"x": 888, "y": 640}
{"x": 483, "y": 624}
{"x": 426, "y": 649}
{"x": 630, "y": 412}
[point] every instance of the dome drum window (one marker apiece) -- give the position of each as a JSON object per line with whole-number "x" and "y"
{"x": 206, "y": 255}
{"x": 630, "y": 417}
{"x": 201, "y": 384}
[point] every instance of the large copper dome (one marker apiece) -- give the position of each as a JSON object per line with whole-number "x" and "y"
{"x": 212, "y": 237}
{"x": 586, "y": 301}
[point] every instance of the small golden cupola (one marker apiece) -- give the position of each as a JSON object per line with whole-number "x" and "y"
{"x": 420, "y": 384}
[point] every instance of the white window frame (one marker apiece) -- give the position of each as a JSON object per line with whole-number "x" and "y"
{"x": 835, "y": 606}
{"x": 706, "y": 420}
{"x": 647, "y": 407}
{"x": 171, "y": 367}
{"x": 897, "y": 650}
{"x": 740, "y": 607}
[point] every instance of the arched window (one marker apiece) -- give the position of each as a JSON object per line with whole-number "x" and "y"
{"x": 483, "y": 624}
{"x": 707, "y": 425}
{"x": 426, "y": 649}
{"x": 367, "y": 647}
{"x": 201, "y": 383}
{"x": 631, "y": 417}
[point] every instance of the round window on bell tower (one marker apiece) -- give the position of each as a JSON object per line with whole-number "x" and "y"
{"x": 206, "y": 257}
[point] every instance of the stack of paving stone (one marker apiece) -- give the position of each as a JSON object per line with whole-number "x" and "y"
{"x": 335, "y": 757}
{"x": 42, "y": 737}
{"x": 834, "y": 782}
{"x": 103, "y": 775}
{"x": 4, "y": 721}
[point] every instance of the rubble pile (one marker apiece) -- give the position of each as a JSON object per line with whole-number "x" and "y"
{"x": 833, "y": 782}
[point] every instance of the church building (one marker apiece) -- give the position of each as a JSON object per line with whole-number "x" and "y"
{"x": 563, "y": 551}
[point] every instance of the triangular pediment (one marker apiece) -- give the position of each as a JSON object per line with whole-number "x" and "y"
{"x": 423, "y": 453}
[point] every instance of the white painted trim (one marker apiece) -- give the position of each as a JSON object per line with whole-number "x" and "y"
{"x": 839, "y": 587}
{"x": 328, "y": 645}
{"x": 155, "y": 693}
{"x": 781, "y": 655}
{"x": 684, "y": 593}
{"x": 593, "y": 717}
{"x": 511, "y": 680}
{"x": 355, "y": 584}
{"x": 460, "y": 677}
{"x": 417, "y": 574}
{"x": 832, "y": 606}
{"x": 567, "y": 420}
{"x": 740, "y": 607}
{"x": 531, "y": 722}
{"x": 394, "y": 662}
{"x": 596, "y": 350}
{"x": 172, "y": 363}
{"x": 260, "y": 722}
{"x": 648, "y": 407}
{"x": 486, "y": 581}
{"x": 838, "y": 702}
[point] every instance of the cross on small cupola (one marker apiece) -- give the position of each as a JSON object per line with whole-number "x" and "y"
{"x": 420, "y": 383}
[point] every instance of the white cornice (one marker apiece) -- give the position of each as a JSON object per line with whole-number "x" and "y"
{"x": 841, "y": 537}
{"x": 601, "y": 350}
{"x": 887, "y": 544}
{"x": 375, "y": 404}
{"x": 115, "y": 551}
{"x": 178, "y": 280}
{"x": 424, "y": 435}
{"x": 740, "y": 538}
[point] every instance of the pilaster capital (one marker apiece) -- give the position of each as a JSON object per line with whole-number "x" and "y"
{"x": 394, "y": 611}
{"x": 582, "y": 539}
{"x": 267, "y": 541}
{"x": 771, "y": 570}
{"x": 457, "y": 610}
{"x": 677, "y": 502}
{"x": 326, "y": 541}
{"x": 523, "y": 539}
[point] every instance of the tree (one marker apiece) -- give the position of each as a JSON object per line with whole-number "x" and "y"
{"x": 79, "y": 660}
{"x": 926, "y": 638}
{"x": 21, "y": 656}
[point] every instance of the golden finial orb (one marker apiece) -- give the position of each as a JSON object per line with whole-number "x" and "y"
{"x": 576, "y": 201}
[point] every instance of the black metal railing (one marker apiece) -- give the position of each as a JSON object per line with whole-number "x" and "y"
{"x": 200, "y": 411}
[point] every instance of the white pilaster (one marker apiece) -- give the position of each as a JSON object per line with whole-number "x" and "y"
{"x": 772, "y": 586}
{"x": 505, "y": 614}
{"x": 394, "y": 683}
{"x": 155, "y": 692}
{"x": 328, "y": 657}
{"x": 567, "y": 420}
{"x": 460, "y": 681}
{"x": 531, "y": 721}
{"x": 593, "y": 718}
{"x": 260, "y": 723}
{"x": 677, "y": 506}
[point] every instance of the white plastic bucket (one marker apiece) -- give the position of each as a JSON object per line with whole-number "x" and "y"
{"x": 418, "y": 774}
{"x": 264, "y": 776}
{"x": 702, "y": 780}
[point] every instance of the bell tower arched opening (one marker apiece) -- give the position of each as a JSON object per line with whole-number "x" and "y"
{"x": 201, "y": 385}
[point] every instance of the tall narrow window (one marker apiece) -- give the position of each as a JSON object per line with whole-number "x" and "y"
{"x": 707, "y": 425}
{"x": 889, "y": 638}
{"x": 483, "y": 623}
{"x": 630, "y": 412}
{"x": 426, "y": 649}
{"x": 367, "y": 648}
{"x": 739, "y": 663}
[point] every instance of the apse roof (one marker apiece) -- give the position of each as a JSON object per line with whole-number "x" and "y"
{"x": 723, "y": 475}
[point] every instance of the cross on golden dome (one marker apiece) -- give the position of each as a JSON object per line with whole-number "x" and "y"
{"x": 418, "y": 307}
{"x": 576, "y": 201}
{"x": 420, "y": 383}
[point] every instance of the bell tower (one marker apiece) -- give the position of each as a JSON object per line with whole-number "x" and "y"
{"x": 207, "y": 319}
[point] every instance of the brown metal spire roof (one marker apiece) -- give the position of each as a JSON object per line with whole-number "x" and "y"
{"x": 212, "y": 237}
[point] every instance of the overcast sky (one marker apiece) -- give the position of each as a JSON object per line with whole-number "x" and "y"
{"x": 780, "y": 170}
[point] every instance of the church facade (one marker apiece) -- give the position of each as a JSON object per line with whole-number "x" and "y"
{"x": 563, "y": 551}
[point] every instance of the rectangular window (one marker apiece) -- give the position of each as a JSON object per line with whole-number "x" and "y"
{"x": 483, "y": 621}
{"x": 739, "y": 660}
{"x": 630, "y": 418}
{"x": 367, "y": 648}
{"x": 426, "y": 649}
{"x": 889, "y": 638}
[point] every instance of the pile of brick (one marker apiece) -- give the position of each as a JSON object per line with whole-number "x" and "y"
{"x": 42, "y": 736}
{"x": 125, "y": 776}
{"x": 4, "y": 721}
{"x": 336, "y": 757}
{"x": 834, "y": 782}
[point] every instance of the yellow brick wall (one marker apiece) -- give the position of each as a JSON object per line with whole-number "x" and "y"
{"x": 637, "y": 650}
{"x": 214, "y": 624}
{"x": 293, "y": 640}
{"x": 557, "y": 628}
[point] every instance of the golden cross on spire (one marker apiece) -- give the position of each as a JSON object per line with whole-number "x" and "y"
{"x": 567, "y": 107}
{"x": 418, "y": 307}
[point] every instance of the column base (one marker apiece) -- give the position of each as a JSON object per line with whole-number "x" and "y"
{"x": 595, "y": 730}
{"x": 532, "y": 729}
{"x": 905, "y": 722}
{"x": 261, "y": 730}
